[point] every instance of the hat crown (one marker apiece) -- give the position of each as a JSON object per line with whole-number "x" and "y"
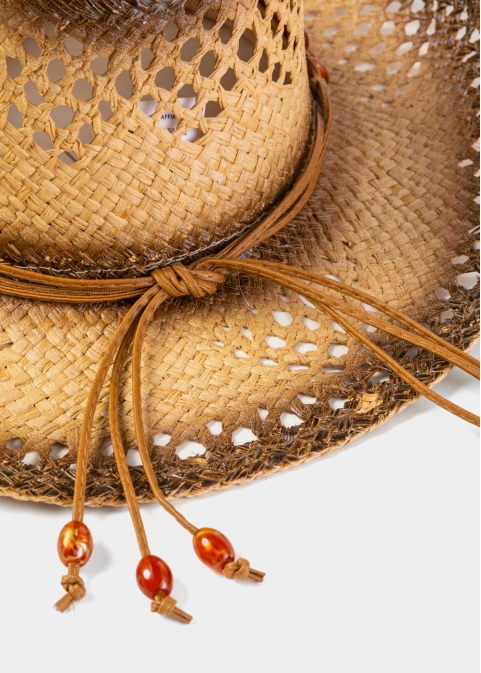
{"x": 132, "y": 144}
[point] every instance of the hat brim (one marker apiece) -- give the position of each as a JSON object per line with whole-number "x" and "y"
{"x": 393, "y": 212}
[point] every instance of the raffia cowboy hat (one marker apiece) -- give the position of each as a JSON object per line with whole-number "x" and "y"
{"x": 159, "y": 185}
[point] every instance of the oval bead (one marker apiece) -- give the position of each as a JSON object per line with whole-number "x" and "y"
{"x": 75, "y": 544}
{"x": 213, "y": 548}
{"x": 154, "y": 576}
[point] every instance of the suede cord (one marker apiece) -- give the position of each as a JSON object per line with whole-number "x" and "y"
{"x": 201, "y": 278}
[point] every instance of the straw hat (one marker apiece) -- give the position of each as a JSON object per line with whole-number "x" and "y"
{"x": 138, "y": 136}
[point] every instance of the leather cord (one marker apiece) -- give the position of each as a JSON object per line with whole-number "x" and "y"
{"x": 287, "y": 277}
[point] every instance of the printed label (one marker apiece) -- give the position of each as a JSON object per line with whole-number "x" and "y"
{"x": 168, "y": 120}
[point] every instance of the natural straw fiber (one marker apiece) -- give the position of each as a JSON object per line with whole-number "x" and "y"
{"x": 139, "y": 195}
{"x": 394, "y": 212}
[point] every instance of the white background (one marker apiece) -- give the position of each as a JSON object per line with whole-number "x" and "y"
{"x": 371, "y": 554}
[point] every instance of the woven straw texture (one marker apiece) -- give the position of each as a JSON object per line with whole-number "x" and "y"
{"x": 394, "y": 212}
{"x": 136, "y": 194}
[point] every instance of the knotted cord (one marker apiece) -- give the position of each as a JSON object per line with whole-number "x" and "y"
{"x": 199, "y": 279}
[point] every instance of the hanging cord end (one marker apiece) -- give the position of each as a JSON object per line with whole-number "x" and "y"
{"x": 74, "y": 586}
{"x": 64, "y": 603}
{"x": 74, "y": 547}
{"x": 167, "y": 606}
{"x": 241, "y": 570}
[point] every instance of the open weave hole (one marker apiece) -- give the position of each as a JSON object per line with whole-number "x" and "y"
{"x": 394, "y": 211}
{"x": 90, "y": 180}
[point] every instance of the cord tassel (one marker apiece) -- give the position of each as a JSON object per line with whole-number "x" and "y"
{"x": 75, "y": 541}
{"x": 154, "y": 576}
{"x": 213, "y": 548}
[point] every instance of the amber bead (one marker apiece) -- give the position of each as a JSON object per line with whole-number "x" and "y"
{"x": 75, "y": 544}
{"x": 213, "y": 548}
{"x": 154, "y": 576}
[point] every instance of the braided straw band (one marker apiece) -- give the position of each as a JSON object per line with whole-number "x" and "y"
{"x": 199, "y": 279}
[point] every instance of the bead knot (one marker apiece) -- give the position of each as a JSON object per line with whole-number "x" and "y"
{"x": 74, "y": 586}
{"x": 241, "y": 570}
{"x": 178, "y": 281}
{"x": 162, "y": 604}
{"x": 167, "y": 606}
{"x": 237, "y": 570}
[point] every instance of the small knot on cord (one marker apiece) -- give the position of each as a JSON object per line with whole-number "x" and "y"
{"x": 178, "y": 281}
{"x": 167, "y": 606}
{"x": 241, "y": 570}
{"x": 163, "y": 604}
{"x": 75, "y": 588}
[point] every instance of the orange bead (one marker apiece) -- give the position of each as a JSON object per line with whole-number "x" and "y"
{"x": 154, "y": 576}
{"x": 213, "y": 548}
{"x": 75, "y": 543}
